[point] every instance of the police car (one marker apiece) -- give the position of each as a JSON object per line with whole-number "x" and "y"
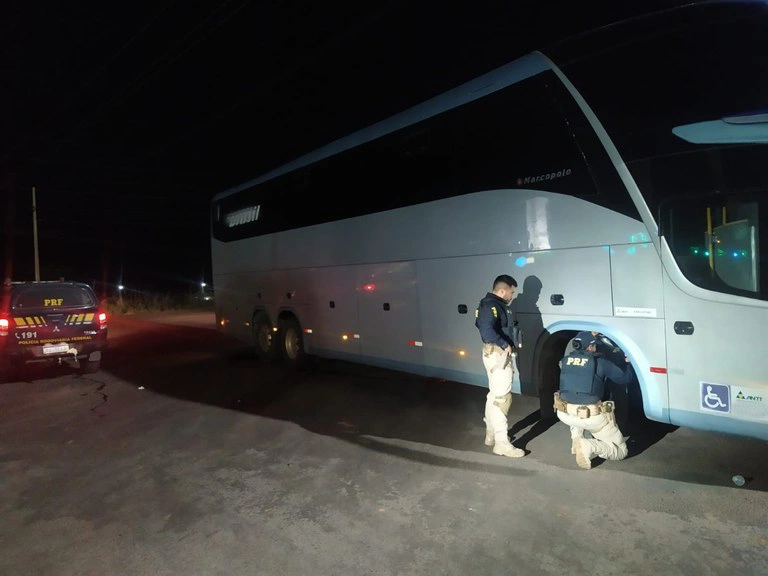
{"x": 51, "y": 322}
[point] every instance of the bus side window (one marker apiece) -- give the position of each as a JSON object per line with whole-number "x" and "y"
{"x": 716, "y": 242}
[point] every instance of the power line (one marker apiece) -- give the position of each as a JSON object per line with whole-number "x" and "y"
{"x": 109, "y": 62}
{"x": 313, "y": 51}
{"x": 22, "y": 144}
{"x": 173, "y": 54}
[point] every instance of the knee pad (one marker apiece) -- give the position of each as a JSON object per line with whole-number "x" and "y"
{"x": 503, "y": 402}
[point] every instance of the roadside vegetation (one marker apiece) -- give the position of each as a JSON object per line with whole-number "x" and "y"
{"x": 137, "y": 302}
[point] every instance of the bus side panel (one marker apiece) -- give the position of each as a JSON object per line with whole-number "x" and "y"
{"x": 238, "y": 279}
{"x": 724, "y": 394}
{"x": 546, "y": 285}
{"x": 332, "y": 313}
{"x": 636, "y": 281}
{"x": 445, "y": 285}
{"x": 243, "y": 256}
{"x": 388, "y": 303}
{"x": 638, "y": 326}
{"x": 271, "y": 291}
{"x": 567, "y": 283}
{"x": 238, "y": 299}
{"x": 341, "y": 243}
{"x": 575, "y": 282}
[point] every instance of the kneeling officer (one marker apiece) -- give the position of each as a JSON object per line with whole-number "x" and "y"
{"x": 579, "y": 402}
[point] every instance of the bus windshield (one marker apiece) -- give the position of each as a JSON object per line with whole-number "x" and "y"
{"x": 686, "y": 106}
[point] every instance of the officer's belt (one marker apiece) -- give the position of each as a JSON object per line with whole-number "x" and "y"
{"x": 491, "y": 347}
{"x": 583, "y": 410}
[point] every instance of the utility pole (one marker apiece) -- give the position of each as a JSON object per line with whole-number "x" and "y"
{"x": 9, "y": 230}
{"x": 34, "y": 229}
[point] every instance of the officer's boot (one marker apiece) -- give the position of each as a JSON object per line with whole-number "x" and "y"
{"x": 505, "y": 448}
{"x": 496, "y": 409}
{"x": 584, "y": 453}
{"x": 576, "y": 435}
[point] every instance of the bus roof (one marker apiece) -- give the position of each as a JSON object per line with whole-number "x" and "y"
{"x": 501, "y": 77}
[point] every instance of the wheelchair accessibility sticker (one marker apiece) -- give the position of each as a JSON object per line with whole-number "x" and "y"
{"x": 715, "y": 397}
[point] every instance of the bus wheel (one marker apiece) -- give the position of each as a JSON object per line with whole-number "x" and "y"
{"x": 263, "y": 337}
{"x": 292, "y": 343}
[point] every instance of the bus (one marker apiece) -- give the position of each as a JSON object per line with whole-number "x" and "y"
{"x": 621, "y": 176}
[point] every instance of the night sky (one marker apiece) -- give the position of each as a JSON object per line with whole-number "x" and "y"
{"x": 128, "y": 117}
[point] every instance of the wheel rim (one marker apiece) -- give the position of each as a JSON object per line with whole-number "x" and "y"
{"x": 264, "y": 338}
{"x": 292, "y": 343}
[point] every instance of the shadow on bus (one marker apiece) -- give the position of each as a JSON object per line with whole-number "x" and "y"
{"x": 400, "y": 413}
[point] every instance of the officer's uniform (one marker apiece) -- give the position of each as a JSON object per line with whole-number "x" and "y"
{"x": 495, "y": 321}
{"x": 579, "y": 403}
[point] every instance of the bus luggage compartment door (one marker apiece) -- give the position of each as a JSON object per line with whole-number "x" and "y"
{"x": 388, "y": 304}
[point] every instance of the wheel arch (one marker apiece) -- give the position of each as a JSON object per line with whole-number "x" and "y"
{"x": 551, "y": 345}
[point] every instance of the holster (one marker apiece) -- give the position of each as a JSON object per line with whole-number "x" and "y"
{"x": 488, "y": 349}
{"x": 559, "y": 405}
{"x": 503, "y": 359}
{"x": 503, "y": 402}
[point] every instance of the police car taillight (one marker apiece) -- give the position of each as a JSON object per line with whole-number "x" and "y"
{"x": 4, "y": 324}
{"x": 102, "y": 320}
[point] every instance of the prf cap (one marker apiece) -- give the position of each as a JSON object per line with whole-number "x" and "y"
{"x": 585, "y": 339}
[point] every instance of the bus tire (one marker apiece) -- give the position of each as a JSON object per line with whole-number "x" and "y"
{"x": 264, "y": 338}
{"x": 636, "y": 408}
{"x": 547, "y": 354}
{"x": 291, "y": 343}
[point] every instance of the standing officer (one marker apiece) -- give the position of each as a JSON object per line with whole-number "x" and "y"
{"x": 579, "y": 402}
{"x": 495, "y": 321}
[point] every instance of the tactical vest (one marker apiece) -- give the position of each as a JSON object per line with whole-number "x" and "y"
{"x": 493, "y": 304}
{"x": 509, "y": 326}
{"x": 579, "y": 383}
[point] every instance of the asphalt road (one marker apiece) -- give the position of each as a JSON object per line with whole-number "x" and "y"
{"x": 185, "y": 455}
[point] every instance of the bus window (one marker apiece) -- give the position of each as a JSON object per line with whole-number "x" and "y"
{"x": 716, "y": 241}
{"x": 735, "y": 255}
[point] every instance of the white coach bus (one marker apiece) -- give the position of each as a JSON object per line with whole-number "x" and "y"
{"x": 621, "y": 177}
